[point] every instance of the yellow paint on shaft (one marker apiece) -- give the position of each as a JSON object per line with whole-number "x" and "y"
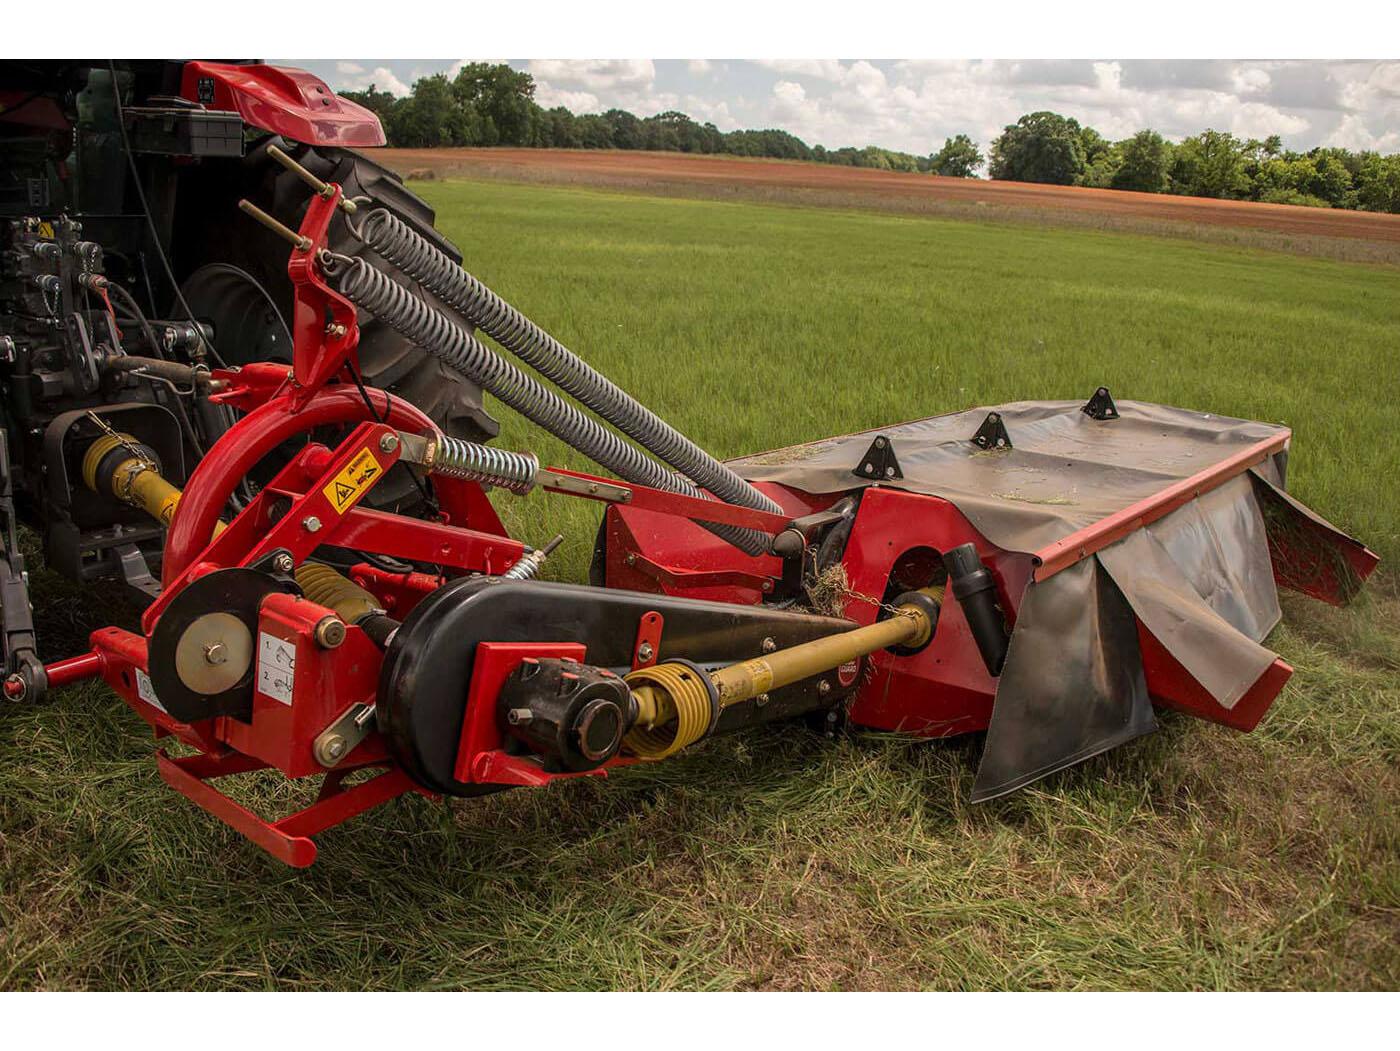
{"x": 673, "y": 710}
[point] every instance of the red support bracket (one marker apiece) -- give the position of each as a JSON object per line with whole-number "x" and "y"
{"x": 289, "y": 839}
{"x": 647, "y": 649}
{"x": 669, "y": 576}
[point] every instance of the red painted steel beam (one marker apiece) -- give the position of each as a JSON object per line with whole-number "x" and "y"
{"x": 1084, "y": 542}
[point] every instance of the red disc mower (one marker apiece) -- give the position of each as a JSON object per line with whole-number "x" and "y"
{"x": 1046, "y": 572}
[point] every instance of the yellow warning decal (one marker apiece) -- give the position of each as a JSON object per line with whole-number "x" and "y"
{"x": 46, "y": 231}
{"x": 346, "y": 488}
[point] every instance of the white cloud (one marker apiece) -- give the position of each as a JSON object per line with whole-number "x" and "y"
{"x": 548, "y": 96}
{"x": 914, "y": 105}
{"x": 1353, "y": 134}
{"x": 822, "y": 68}
{"x": 353, "y": 77}
{"x": 622, "y": 74}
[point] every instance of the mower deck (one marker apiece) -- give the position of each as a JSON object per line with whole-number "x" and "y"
{"x": 1135, "y": 547}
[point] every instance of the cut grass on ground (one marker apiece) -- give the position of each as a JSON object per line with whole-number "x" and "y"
{"x": 1193, "y": 858}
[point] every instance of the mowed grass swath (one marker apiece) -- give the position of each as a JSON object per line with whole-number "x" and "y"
{"x": 1193, "y": 858}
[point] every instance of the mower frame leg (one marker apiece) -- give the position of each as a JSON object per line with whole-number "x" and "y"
{"x": 288, "y": 839}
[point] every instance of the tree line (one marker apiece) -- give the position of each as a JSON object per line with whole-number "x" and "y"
{"x": 494, "y": 105}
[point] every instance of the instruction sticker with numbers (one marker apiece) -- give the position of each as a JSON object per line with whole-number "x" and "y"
{"x": 277, "y": 667}
{"x": 346, "y": 488}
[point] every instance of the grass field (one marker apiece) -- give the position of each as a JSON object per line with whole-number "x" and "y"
{"x": 1195, "y": 858}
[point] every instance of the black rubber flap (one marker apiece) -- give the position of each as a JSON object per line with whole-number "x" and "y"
{"x": 1072, "y": 686}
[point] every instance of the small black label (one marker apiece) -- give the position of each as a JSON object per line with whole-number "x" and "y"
{"x": 206, "y": 91}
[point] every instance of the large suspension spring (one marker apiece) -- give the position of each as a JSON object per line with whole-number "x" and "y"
{"x": 455, "y": 458}
{"x": 403, "y": 246}
{"x": 437, "y": 334}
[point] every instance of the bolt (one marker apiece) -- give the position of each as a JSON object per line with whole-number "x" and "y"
{"x": 335, "y": 330}
{"x": 769, "y": 645}
{"x": 761, "y": 700}
{"x": 645, "y": 651}
{"x": 311, "y": 524}
{"x": 631, "y": 560}
{"x": 334, "y": 747}
{"x": 767, "y": 585}
{"x": 283, "y": 563}
{"x": 389, "y": 443}
{"x": 216, "y": 653}
{"x": 824, "y": 687}
{"x": 519, "y": 716}
{"x": 330, "y": 632}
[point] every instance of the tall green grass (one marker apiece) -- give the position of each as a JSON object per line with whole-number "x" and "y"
{"x": 1196, "y": 858}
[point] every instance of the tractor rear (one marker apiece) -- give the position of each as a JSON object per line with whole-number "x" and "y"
{"x": 1049, "y": 573}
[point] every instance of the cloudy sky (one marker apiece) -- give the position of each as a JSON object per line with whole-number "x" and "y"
{"x": 914, "y": 105}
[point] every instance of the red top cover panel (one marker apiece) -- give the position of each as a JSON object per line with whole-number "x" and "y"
{"x": 282, "y": 100}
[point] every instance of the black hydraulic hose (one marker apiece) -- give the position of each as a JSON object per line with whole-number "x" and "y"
{"x": 400, "y": 244}
{"x": 437, "y": 334}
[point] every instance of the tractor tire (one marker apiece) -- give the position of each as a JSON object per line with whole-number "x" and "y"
{"x": 213, "y": 240}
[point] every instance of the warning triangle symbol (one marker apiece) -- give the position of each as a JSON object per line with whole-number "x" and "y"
{"x": 343, "y": 493}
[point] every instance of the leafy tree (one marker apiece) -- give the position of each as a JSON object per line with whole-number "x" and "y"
{"x": 1378, "y": 183}
{"x": 1144, "y": 164}
{"x": 959, "y": 158}
{"x": 487, "y": 105}
{"x": 1210, "y": 164}
{"x": 1040, "y": 147}
{"x": 626, "y": 129}
{"x": 432, "y": 116}
{"x": 1331, "y": 179}
{"x": 560, "y": 128}
{"x": 595, "y": 132}
{"x": 505, "y": 99}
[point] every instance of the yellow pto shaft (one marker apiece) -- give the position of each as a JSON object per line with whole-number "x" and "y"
{"x": 674, "y": 706}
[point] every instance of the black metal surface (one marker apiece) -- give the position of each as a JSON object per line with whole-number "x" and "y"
{"x": 237, "y": 591}
{"x": 1100, "y": 406}
{"x": 992, "y": 434}
{"x": 879, "y": 463}
{"x": 428, "y": 666}
{"x": 572, "y": 714}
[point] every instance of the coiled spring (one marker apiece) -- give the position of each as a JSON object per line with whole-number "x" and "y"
{"x": 403, "y": 246}
{"x": 511, "y": 471}
{"x": 437, "y": 334}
